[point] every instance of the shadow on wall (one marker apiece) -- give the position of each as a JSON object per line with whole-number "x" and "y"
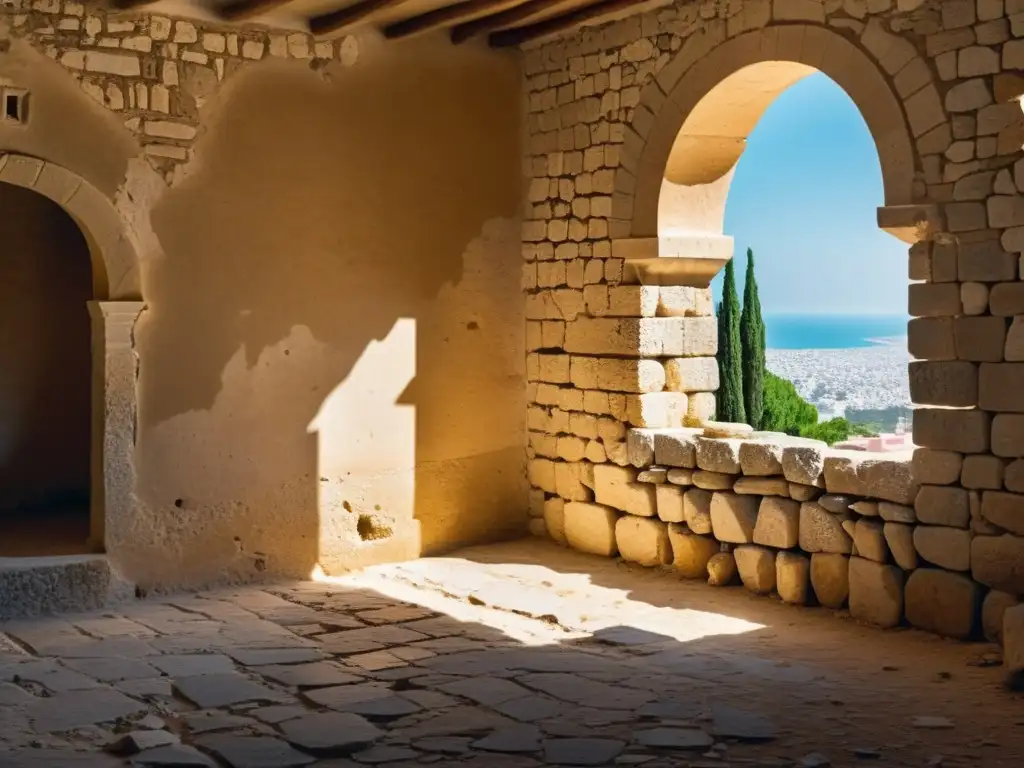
{"x": 366, "y": 219}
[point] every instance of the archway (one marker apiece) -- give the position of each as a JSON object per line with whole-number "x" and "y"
{"x": 85, "y": 294}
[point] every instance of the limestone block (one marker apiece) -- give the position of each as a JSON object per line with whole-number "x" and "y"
{"x": 1005, "y": 510}
{"x": 792, "y": 577}
{"x": 691, "y": 337}
{"x": 999, "y": 388}
{"x": 617, "y": 375}
{"x": 1013, "y": 639}
{"x": 691, "y": 374}
{"x": 762, "y": 486}
{"x": 1008, "y": 435}
{"x": 719, "y": 455}
{"x": 805, "y": 464}
{"x": 697, "y": 510}
{"x": 948, "y": 548}
{"x": 994, "y": 606}
{"x": 800, "y": 492}
{"x": 1014, "y": 346}
{"x": 943, "y": 505}
{"x": 980, "y": 339}
{"x": 945, "y": 603}
{"x": 1006, "y": 299}
{"x": 722, "y": 430}
{"x": 982, "y": 472}
{"x": 554, "y": 519}
{"x": 640, "y": 447}
{"x": 721, "y": 569}
{"x": 876, "y": 592}
{"x": 931, "y": 338}
{"x": 869, "y": 539}
{"x": 934, "y": 300}
{"x": 830, "y": 579}
{"x": 936, "y": 467}
{"x": 676, "y": 448}
{"x": 865, "y": 508}
{"x": 963, "y": 431}
{"x": 670, "y": 503}
{"x": 617, "y": 487}
{"x": 952, "y": 383}
{"x": 900, "y": 539}
{"x": 896, "y": 513}
{"x": 974, "y": 297}
{"x": 656, "y": 409}
{"x": 1013, "y": 477}
{"x": 680, "y": 476}
{"x": 690, "y": 552}
{"x": 998, "y": 562}
{"x": 643, "y": 540}
{"x": 700, "y": 408}
{"x": 778, "y": 523}
{"x": 761, "y": 458}
{"x": 863, "y": 474}
{"x": 684, "y": 301}
{"x": 756, "y": 566}
{"x": 573, "y": 480}
{"x": 653, "y": 475}
{"x": 837, "y": 504}
{"x": 591, "y": 528}
{"x": 571, "y": 448}
{"x": 822, "y": 531}
{"x": 713, "y": 481}
{"x": 733, "y": 517}
{"x": 625, "y": 336}
{"x": 541, "y": 473}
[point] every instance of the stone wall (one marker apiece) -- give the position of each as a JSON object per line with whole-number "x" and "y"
{"x": 792, "y": 517}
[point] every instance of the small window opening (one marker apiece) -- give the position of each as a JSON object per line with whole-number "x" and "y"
{"x": 14, "y": 106}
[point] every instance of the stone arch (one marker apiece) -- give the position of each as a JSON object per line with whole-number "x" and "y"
{"x": 115, "y": 261}
{"x": 116, "y": 307}
{"x": 726, "y": 87}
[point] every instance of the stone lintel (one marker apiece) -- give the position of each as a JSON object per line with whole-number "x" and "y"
{"x": 690, "y": 260}
{"x": 911, "y": 223}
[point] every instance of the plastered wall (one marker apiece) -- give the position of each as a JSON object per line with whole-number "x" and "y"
{"x": 330, "y": 362}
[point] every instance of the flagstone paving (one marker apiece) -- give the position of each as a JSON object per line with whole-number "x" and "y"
{"x": 514, "y": 656}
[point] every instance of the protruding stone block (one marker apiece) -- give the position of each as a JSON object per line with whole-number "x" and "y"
{"x": 1005, "y": 510}
{"x": 762, "y": 486}
{"x": 733, "y": 517}
{"x": 945, "y": 603}
{"x": 805, "y": 464}
{"x": 676, "y": 448}
{"x": 591, "y": 528}
{"x": 822, "y": 531}
{"x": 761, "y": 458}
{"x": 943, "y": 505}
{"x": 792, "y": 577}
{"x": 721, "y": 569}
{"x": 656, "y": 409}
{"x": 864, "y": 474}
{"x": 876, "y": 592}
{"x": 778, "y": 523}
{"x": 948, "y": 548}
{"x": 721, "y": 456}
{"x": 800, "y": 492}
{"x": 947, "y": 383}
{"x": 697, "y": 510}
{"x": 900, "y": 539}
{"x": 640, "y": 447}
{"x": 574, "y": 480}
{"x": 757, "y": 568}
{"x": 869, "y": 539}
{"x": 962, "y": 431}
{"x": 830, "y": 579}
{"x": 690, "y": 552}
{"x": 896, "y": 513}
{"x": 617, "y": 487}
{"x": 643, "y": 540}
{"x": 670, "y": 503}
{"x": 713, "y": 481}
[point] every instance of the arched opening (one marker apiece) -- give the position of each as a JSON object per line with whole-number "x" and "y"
{"x": 46, "y": 282}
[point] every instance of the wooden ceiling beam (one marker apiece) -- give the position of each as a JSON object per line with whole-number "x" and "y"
{"x": 244, "y": 10}
{"x": 507, "y": 18}
{"x": 128, "y": 5}
{"x": 443, "y": 17}
{"x": 505, "y": 38}
{"x": 335, "y": 21}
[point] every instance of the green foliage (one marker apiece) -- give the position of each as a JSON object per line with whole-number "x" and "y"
{"x": 752, "y": 341}
{"x": 784, "y": 409}
{"x": 729, "y": 400}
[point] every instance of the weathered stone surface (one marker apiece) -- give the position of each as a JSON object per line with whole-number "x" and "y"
{"x": 943, "y": 505}
{"x": 733, "y": 517}
{"x": 676, "y": 447}
{"x": 836, "y": 503}
{"x": 713, "y": 481}
{"x": 900, "y": 539}
{"x": 865, "y": 508}
{"x": 643, "y": 540}
{"x": 946, "y": 429}
{"x": 554, "y": 519}
{"x": 674, "y": 738}
{"x": 330, "y": 733}
{"x": 680, "y": 476}
{"x": 253, "y": 751}
{"x": 616, "y": 487}
{"x": 762, "y": 486}
{"x": 1013, "y": 639}
{"x": 982, "y": 472}
{"x": 945, "y": 547}
{"x": 896, "y": 513}
{"x": 863, "y": 474}
{"x": 724, "y": 430}
{"x": 778, "y": 523}
{"x": 691, "y": 374}
{"x": 805, "y": 464}
{"x": 697, "y": 510}
{"x": 582, "y": 751}
{"x": 640, "y": 446}
{"x": 822, "y": 531}
{"x": 936, "y": 467}
{"x": 521, "y": 737}
{"x": 993, "y": 607}
{"x": 756, "y": 566}
{"x": 869, "y": 540}
{"x": 366, "y": 699}
{"x": 761, "y": 458}
{"x": 876, "y": 592}
{"x": 1008, "y": 435}
{"x": 998, "y": 562}
{"x": 209, "y": 691}
{"x": 721, "y": 569}
{"x": 830, "y": 579}
{"x": 800, "y": 492}
{"x": 690, "y": 552}
{"x": 946, "y": 603}
{"x": 591, "y": 528}
{"x": 792, "y": 577}
{"x": 653, "y": 475}
{"x": 670, "y": 503}
{"x": 1005, "y": 510}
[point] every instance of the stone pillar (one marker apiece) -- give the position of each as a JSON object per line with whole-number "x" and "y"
{"x": 115, "y": 367}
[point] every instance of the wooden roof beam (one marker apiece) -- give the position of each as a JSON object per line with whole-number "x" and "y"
{"x": 507, "y": 18}
{"x": 518, "y": 35}
{"x": 244, "y": 10}
{"x": 443, "y": 17}
{"x": 128, "y": 5}
{"x": 335, "y": 21}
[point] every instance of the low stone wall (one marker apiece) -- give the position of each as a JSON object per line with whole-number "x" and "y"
{"x": 793, "y": 517}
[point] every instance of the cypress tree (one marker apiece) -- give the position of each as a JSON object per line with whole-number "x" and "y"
{"x": 730, "y": 386}
{"x": 753, "y": 343}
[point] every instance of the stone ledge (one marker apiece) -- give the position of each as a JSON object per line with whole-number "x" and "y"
{"x": 33, "y": 586}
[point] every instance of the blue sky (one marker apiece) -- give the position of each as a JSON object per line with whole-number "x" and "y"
{"x": 804, "y": 198}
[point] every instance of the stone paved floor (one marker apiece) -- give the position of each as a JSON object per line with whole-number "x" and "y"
{"x": 502, "y": 657}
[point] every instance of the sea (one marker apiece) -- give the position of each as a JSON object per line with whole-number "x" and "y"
{"x": 805, "y": 331}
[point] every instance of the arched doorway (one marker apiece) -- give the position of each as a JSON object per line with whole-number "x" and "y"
{"x": 46, "y": 283}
